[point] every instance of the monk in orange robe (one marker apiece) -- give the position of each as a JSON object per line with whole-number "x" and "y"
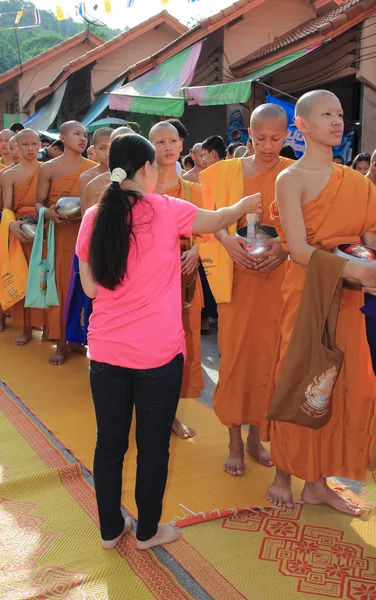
{"x": 101, "y": 141}
{"x": 59, "y": 178}
{"x": 19, "y": 188}
{"x": 6, "y": 156}
{"x": 165, "y": 139}
{"x": 92, "y": 187}
{"x": 248, "y": 309}
{"x": 316, "y": 208}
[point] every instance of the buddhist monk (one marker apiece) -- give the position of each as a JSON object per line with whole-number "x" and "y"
{"x": 315, "y": 208}
{"x": 59, "y": 178}
{"x": 19, "y": 189}
{"x": 91, "y": 154}
{"x": 194, "y": 174}
{"x": 101, "y": 140}
{"x": 248, "y": 325}
{"x": 165, "y": 139}
{"x": 5, "y": 136}
{"x": 96, "y": 187}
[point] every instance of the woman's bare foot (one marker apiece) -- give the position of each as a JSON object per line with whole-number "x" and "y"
{"x": 60, "y": 355}
{"x": 78, "y": 348}
{"x": 235, "y": 464}
{"x": 109, "y": 544}
{"x": 320, "y": 493}
{"x": 182, "y": 431}
{"x": 255, "y": 447}
{"x": 279, "y": 493}
{"x": 2, "y": 321}
{"x": 25, "y": 338}
{"x": 166, "y": 534}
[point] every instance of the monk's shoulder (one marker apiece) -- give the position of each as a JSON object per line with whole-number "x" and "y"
{"x": 12, "y": 175}
{"x": 291, "y": 176}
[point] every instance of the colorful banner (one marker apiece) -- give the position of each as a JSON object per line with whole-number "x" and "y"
{"x": 160, "y": 91}
{"x": 107, "y": 6}
{"x": 37, "y": 17}
{"x": 18, "y": 17}
{"x": 296, "y": 139}
{"x": 59, "y": 14}
{"x": 80, "y": 9}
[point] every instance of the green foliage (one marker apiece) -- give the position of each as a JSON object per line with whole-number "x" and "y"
{"x": 36, "y": 39}
{"x": 38, "y": 44}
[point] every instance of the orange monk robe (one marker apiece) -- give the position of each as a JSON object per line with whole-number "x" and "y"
{"x": 343, "y": 447}
{"x": 193, "y": 380}
{"x": 248, "y": 325}
{"x": 65, "y": 242}
{"x": 24, "y": 206}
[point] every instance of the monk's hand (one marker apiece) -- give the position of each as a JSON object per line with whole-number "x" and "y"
{"x": 54, "y": 216}
{"x": 274, "y": 257}
{"x": 15, "y": 229}
{"x": 189, "y": 260}
{"x": 237, "y": 250}
{"x": 367, "y": 277}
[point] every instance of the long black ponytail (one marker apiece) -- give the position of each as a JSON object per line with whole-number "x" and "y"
{"x": 113, "y": 227}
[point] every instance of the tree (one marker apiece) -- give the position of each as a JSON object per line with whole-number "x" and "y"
{"x": 8, "y": 56}
{"x": 38, "y": 44}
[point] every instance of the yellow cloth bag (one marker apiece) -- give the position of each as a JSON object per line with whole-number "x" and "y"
{"x": 13, "y": 265}
{"x": 222, "y": 186}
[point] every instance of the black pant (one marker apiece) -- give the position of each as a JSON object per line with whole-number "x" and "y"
{"x": 155, "y": 394}
{"x": 210, "y": 306}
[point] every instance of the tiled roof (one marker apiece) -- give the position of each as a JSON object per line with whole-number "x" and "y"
{"x": 195, "y": 34}
{"x": 325, "y": 25}
{"x": 50, "y": 53}
{"x": 105, "y": 48}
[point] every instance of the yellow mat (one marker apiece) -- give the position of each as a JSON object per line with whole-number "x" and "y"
{"x": 49, "y": 539}
{"x": 60, "y": 398}
{"x": 309, "y": 553}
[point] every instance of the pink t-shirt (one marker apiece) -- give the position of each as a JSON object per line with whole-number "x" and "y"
{"x": 139, "y": 324}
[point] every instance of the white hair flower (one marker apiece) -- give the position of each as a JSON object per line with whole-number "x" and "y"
{"x": 118, "y": 175}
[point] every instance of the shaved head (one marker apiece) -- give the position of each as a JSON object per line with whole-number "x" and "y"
{"x": 305, "y": 104}
{"x": 66, "y": 127}
{"x": 7, "y": 132}
{"x": 162, "y": 126}
{"x": 104, "y": 132}
{"x": 12, "y": 141}
{"x": 196, "y": 148}
{"x": 269, "y": 112}
{"x": 24, "y": 133}
{"x": 120, "y": 131}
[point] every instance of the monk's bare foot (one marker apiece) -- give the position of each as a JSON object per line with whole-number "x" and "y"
{"x": 60, "y": 355}
{"x": 25, "y": 338}
{"x": 166, "y": 534}
{"x": 255, "y": 447}
{"x": 109, "y": 544}
{"x": 78, "y": 348}
{"x": 279, "y": 493}
{"x": 182, "y": 431}
{"x": 320, "y": 493}
{"x": 235, "y": 464}
{"x": 2, "y": 322}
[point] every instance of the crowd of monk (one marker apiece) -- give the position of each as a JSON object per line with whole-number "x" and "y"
{"x": 308, "y": 202}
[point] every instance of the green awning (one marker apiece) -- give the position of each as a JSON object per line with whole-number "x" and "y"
{"x": 239, "y": 91}
{"x": 160, "y": 91}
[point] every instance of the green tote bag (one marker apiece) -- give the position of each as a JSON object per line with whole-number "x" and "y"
{"x": 41, "y": 285}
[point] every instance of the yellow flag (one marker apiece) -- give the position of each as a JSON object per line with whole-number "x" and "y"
{"x": 165, "y": 1}
{"x": 59, "y": 14}
{"x": 18, "y": 17}
{"x": 107, "y": 6}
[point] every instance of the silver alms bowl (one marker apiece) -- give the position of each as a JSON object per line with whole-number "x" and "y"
{"x": 355, "y": 253}
{"x": 264, "y": 233}
{"x": 29, "y": 229}
{"x": 69, "y": 207}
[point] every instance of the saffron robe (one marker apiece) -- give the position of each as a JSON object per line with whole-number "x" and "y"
{"x": 65, "y": 242}
{"x": 193, "y": 380}
{"x": 24, "y": 206}
{"x": 344, "y": 447}
{"x": 248, "y": 325}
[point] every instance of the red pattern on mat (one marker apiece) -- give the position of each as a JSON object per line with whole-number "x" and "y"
{"x": 145, "y": 565}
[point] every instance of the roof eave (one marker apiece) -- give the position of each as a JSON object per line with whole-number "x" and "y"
{"x": 241, "y": 71}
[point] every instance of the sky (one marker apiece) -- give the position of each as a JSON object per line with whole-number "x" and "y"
{"x": 141, "y": 10}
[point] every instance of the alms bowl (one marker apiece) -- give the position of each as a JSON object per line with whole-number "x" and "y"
{"x": 265, "y": 233}
{"x": 355, "y": 253}
{"x": 29, "y": 229}
{"x": 69, "y": 207}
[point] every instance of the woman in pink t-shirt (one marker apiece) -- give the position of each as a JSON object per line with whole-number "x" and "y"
{"x": 128, "y": 248}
